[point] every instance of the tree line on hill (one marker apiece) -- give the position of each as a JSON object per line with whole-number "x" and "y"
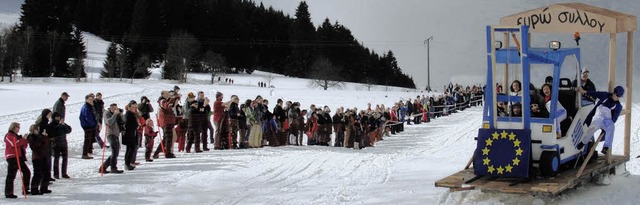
{"x": 207, "y": 36}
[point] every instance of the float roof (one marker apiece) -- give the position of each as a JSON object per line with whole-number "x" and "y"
{"x": 572, "y": 17}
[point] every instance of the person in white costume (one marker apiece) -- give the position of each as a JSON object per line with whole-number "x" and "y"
{"x": 603, "y": 116}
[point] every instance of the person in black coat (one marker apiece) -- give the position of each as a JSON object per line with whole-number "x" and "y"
{"x": 205, "y": 120}
{"x": 43, "y": 121}
{"x": 281, "y": 117}
{"x": 145, "y": 108}
{"x": 98, "y": 110}
{"x": 327, "y": 128}
{"x": 587, "y": 85}
{"x": 196, "y": 114}
{"x": 43, "y": 128}
{"x": 58, "y": 136}
{"x": 269, "y": 129}
{"x": 409, "y": 111}
{"x": 130, "y": 138}
{"x": 234, "y": 112}
{"x": 39, "y": 153}
{"x": 338, "y": 127}
{"x": 362, "y": 128}
{"x": 322, "y": 122}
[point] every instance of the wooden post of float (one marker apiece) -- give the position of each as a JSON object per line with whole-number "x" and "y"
{"x": 612, "y": 76}
{"x": 628, "y": 97}
{"x": 612, "y": 61}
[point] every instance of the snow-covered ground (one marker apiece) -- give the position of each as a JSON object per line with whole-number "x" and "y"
{"x": 401, "y": 169}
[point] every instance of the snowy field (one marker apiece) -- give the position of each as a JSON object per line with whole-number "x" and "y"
{"x": 402, "y": 169}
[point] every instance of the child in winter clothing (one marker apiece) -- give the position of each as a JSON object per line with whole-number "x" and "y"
{"x": 14, "y": 153}
{"x": 149, "y": 135}
{"x": 181, "y": 132}
{"x": 39, "y": 147}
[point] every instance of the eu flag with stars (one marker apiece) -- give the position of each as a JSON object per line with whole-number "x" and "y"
{"x": 502, "y": 153}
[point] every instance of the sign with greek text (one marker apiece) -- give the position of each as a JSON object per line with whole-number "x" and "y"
{"x": 567, "y": 18}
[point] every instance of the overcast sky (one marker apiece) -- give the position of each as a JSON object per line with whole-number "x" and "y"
{"x": 458, "y": 28}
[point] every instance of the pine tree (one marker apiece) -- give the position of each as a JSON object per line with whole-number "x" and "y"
{"x": 124, "y": 62}
{"x": 4, "y": 34}
{"x": 246, "y": 33}
{"x": 79, "y": 54}
{"x": 111, "y": 62}
{"x": 49, "y": 53}
{"x": 35, "y": 19}
{"x": 182, "y": 47}
{"x": 303, "y": 38}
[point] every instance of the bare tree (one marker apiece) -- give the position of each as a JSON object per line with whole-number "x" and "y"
{"x": 181, "y": 49}
{"x": 326, "y": 75}
{"x": 142, "y": 65}
{"x": 369, "y": 83}
{"x": 215, "y": 63}
{"x": 268, "y": 79}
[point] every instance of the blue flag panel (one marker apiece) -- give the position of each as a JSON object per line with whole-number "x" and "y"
{"x": 503, "y": 153}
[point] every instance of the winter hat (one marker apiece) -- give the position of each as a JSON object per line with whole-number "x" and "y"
{"x": 584, "y": 70}
{"x": 619, "y": 91}
{"x": 176, "y": 88}
{"x": 132, "y": 102}
{"x": 191, "y": 95}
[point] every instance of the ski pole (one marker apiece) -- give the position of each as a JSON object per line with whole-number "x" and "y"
{"x": 24, "y": 192}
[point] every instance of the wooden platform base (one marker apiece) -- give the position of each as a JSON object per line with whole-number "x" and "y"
{"x": 546, "y": 186}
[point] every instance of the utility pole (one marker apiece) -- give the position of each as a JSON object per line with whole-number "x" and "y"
{"x": 428, "y": 62}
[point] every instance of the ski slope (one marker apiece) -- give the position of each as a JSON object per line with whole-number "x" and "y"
{"x": 401, "y": 169}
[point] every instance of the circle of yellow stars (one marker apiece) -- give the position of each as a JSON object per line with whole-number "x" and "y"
{"x": 489, "y": 143}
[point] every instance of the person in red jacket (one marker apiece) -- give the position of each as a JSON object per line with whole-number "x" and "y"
{"x": 14, "y": 153}
{"x": 167, "y": 120}
{"x": 149, "y": 135}
{"x": 218, "y": 112}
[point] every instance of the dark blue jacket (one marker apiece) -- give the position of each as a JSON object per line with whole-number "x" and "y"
{"x": 87, "y": 117}
{"x": 604, "y": 100}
